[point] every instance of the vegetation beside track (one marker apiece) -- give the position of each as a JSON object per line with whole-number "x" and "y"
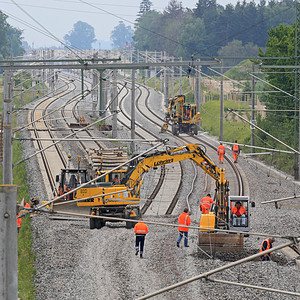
{"x": 26, "y": 270}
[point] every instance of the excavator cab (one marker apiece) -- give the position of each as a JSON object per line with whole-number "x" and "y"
{"x": 239, "y": 213}
{"x": 70, "y": 179}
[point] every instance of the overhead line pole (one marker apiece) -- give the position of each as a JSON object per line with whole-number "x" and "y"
{"x": 8, "y": 201}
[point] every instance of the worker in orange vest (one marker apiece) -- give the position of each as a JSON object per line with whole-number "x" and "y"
{"x": 238, "y": 214}
{"x": 266, "y": 245}
{"x": 183, "y": 220}
{"x": 27, "y": 205}
{"x": 206, "y": 203}
{"x": 235, "y": 151}
{"x": 19, "y": 222}
{"x": 221, "y": 153}
{"x": 140, "y": 229}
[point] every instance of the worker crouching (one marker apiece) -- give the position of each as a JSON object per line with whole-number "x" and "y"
{"x": 266, "y": 245}
{"x": 140, "y": 230}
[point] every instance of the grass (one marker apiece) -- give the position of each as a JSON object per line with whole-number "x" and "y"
{"x": 234, "y": 128}
{"x": 26, "y": 270}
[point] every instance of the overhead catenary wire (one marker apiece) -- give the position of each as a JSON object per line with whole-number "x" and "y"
{"x": 61, "y": 140}
{"x": 49, "y": 32}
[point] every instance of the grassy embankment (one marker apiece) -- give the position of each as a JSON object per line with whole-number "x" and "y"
{"x": 26, "y": 270}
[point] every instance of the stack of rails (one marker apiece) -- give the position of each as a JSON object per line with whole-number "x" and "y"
{"x": 104, "y": 159}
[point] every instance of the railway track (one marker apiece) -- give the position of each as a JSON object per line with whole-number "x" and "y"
{"x": 158, "y": 121}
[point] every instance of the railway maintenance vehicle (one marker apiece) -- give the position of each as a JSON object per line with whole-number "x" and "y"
{"x": 121, "y": 198}
{"x": 182, "y": 116}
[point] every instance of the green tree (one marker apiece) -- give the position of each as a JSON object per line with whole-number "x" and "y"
{"x": 121, "y": 36}
{"x": 235, "y": 52}
{"x": 81, "y": 36}
{"x": 148, "y": 28}
{"x": 10, "y": 39}
{"x": 145, "y": 7}
{"x": 282, "y": 124}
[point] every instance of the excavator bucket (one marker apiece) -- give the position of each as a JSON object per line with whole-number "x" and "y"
{"x": 220, "y": 242}
{"x": 217, "y": 242}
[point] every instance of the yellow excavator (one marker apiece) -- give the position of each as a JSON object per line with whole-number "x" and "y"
{"x": 118, "y": 195}
{"x": 182, "y": 116}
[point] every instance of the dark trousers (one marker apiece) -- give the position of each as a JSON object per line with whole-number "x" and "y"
{"x": 139, "y": 242}
{"x": 181, "y": 235}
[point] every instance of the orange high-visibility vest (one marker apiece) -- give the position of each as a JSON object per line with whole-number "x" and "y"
{"x": 238, "y": 212}
{"x": 184, "y": 219}
{"x": 221, "y": 149}
{"x": 19, "y": 222}
{"x": 141, "y": 228}
{"x": 27, "y": 205}
{"x": 235, "y": 148}
{"x": 205, "y": 204}
{"x": 269, "y": 246}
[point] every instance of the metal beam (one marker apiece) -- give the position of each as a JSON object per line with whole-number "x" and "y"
{"x": 244, "y": 285}
{"x": 87, "y": 66}
{"x": 217, "y": 270}
{"x": 9, "y": 61}
{"x": 281, "y": 199}
{"x": 270, "y": 135}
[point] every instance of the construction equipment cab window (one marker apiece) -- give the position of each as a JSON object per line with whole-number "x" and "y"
{"x": 239, "y": 212}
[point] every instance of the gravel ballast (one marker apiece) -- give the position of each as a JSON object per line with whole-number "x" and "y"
{"x": 74, "y": 262}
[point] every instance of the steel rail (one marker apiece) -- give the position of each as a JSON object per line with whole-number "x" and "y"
{"x": 61, "y": 140}
{"x": 101, "y": 176}
{"x": 240, "y": 183}
{"x": 39, "y": 143}
{"x": 177, "y": 194}
{"x": 259, "y": 234}
{"x": 281, "y": 199}
{"x": 214, "y": 271}
{"x": 162, "y": 174}
{"x": 262, "y": 288}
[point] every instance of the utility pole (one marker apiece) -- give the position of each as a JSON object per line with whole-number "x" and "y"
{"x": 197, "y": 88}
{"x": 252, "y": 109}
{"x": 133, "y": 110}
{"x": 8, "y": 196}
{"x": 101, "y": 94}
{"x": 297, "y": 89}
{"x": 221, "y": 104}
{"x": 7, "y": 128}
{"x": 180, "y": 79}
{"x": 82, "y": 83}
{"x": 114, "y": 105}
{"x": 166, "y": 83}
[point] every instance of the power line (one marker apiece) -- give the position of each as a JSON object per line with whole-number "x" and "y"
{"x": 62, "y": 9}
{"x": 49, "y": 32}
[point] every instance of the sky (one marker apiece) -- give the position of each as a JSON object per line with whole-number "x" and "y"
{"x": 58, "y": 16}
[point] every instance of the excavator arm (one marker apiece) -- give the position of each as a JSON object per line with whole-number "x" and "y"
{"x": 196, "y": 154}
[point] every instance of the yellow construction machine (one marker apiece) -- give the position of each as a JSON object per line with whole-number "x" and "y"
{"x": 121, "y": 197}
{"x": 182, "y": 116}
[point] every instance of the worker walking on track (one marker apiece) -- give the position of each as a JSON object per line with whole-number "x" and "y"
{"x": 206, "y": 203}
{"x": 235, "y": 151}
{"x": 183, "y": 220}
{"x": 140, "y": 230}
{"x": 221, "y": 153}
{"x": 266, "y": 245}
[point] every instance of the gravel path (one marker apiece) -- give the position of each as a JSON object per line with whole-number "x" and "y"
{"x": 74, "y": 262}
